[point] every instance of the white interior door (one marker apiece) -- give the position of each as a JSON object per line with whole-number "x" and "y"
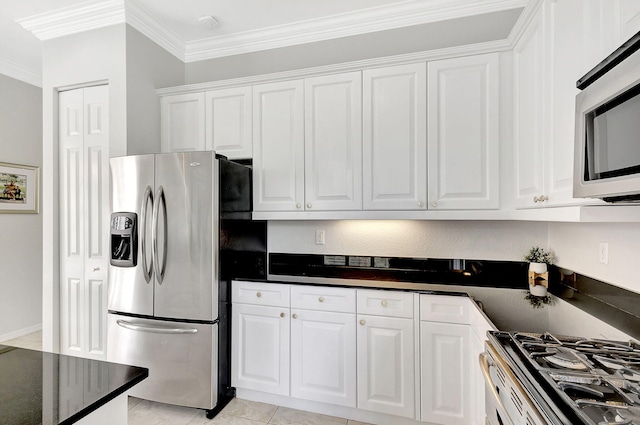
{"x": 84, "y": 220}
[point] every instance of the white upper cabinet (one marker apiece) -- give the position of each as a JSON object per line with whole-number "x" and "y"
{"x": 182, "y": 125}
{"x": 278, "y": 146}
{"x": 394, "y": 138}
{"x": 463, "y": 132}
{"x": 228, "y": 122}
{"x": 529, "y": 67}
{"x": 333, "y": 142}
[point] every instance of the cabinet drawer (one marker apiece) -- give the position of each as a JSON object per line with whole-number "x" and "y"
{"x": 385, "y": 303}
{"x": 323, "y": 298}
{"x": 443, "y": 308}
{"x": 260, "y": 293}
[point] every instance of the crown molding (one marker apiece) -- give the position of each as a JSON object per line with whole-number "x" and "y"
{"x": 13, "y": 70}
{"x": 75, "y": 19}
{"x": 524, "y": 20}
{"x": 147, "y": 24}
{"x": 347, "y": 24}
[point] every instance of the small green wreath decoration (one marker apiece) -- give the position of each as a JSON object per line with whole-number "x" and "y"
{"x": 539, "y": 302}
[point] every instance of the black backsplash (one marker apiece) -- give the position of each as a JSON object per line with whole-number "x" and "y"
{"x": 612, "y": 304}
{"x": 496, "y": 274}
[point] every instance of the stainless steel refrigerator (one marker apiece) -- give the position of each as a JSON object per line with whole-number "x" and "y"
{"x": 167, "y": 301}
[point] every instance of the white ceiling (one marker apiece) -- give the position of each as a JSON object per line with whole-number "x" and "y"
{"x": 245, "y": 25}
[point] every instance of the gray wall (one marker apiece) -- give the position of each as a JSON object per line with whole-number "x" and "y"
{"x": 149, "y": 67}
{"x": 418, "y": 38}
{"x": 21, "y": 234}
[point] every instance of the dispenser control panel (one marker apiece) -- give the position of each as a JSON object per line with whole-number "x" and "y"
{"x": 124, "y": 239}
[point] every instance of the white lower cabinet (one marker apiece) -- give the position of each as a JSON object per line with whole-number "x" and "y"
{"x": 260, "y": 348}
{"x": 323, "y": 356}
{"x": 386, "y": 372}
{"x": 379, "y": 356}
{"x": 446, "y": 373}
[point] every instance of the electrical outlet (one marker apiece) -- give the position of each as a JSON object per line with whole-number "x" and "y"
{"x": 319, "y": 237}
{"x": 603, "y": 252}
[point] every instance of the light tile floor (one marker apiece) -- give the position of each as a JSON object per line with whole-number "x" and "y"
{"x": 237, "y": 412}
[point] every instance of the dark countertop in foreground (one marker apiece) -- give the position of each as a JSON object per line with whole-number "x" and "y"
{"x": 38, "y": 387}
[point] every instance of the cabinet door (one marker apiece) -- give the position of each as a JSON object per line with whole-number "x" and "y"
{"x": 260, "y": 348}
{"x": 386, "y": 375}
{"x": 278, "y": 146}
{"x": 228, "y": 122}
{"x": 394, "y": 138}
{"x": 446, "y": 380}
{"x": 529, "y": 62}
{"x": 323, "y": 357}
{"x": 182, "y": 122}
{"x": 333, "y": 142}
{"x": 463, "y": 132}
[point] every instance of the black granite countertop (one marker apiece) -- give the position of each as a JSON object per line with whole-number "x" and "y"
{"x": 38, "y": 387}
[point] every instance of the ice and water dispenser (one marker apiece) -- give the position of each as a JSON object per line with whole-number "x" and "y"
{"x": 124, "y": 239}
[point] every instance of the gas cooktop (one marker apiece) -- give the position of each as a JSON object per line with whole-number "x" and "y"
{"x": 595, "y": 381}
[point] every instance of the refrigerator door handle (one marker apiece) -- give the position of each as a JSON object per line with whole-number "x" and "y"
{"x": 146, "y": 198}
{"x": 155, "y": 329}
{"x": 160, "y": 202}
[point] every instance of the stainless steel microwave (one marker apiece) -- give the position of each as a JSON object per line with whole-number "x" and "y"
{"x": 607, "y": 136}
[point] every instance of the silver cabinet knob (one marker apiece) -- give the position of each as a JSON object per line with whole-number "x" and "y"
{"x": 96, "y": 269}
{"x": 434, "y": 204}
{"x": 384, "y": 303}
{"x": 281, "y": 314}
{"x": 258, "y": 294}
{"x": 363, "y": 322}
{"x": 321, "y": 299}
{"x": 309, "y": 205}
{"x": 295, "y": 316}
{"x": 421, "y": 204}
{"x": 298, "y": 206}
{"x": 540, "y": 198}
{"x": 536, "y": 199}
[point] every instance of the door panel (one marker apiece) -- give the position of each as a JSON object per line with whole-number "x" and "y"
{"x": 182, "y": 365}
{"x": 84, "y": 219}
{"x": 188, "y": 289}
{"x": 394, "y": 138}
{"x": 323, "y": 357}
{"x": 333, "y": 142}
{"x": 386, "y": 365}
{"x": 260, "y": 348}
{"x": 131, "y": 177}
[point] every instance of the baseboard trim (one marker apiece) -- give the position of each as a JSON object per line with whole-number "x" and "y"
{"x": 21, "y": 332}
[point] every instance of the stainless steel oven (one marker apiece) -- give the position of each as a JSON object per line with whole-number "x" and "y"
{"x": 506, "y": 401}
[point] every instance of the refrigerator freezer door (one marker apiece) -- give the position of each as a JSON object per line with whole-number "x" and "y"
{"x": 187, "y": 253}
{"x": 131, "y": 288}
{"x": 182, "y": 366}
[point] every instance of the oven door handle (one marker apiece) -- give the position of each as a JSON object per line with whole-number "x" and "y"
{"x": 502, "y": 410}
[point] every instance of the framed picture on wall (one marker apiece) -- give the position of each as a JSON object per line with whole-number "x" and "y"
{"x": 19, "y": 188}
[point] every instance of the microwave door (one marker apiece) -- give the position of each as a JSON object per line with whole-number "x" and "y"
{"x": 130, "y": 283}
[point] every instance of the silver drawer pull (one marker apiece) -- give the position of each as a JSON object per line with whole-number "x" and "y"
{"x": 258, "y": 294}
{"x": 281, "y": 314}
{"x": 155, "y": 329}
{"x": 96, "y": 269}
{"x": 384, "y": 303}
{"x": 321, "y": 299}
{"x": 295, "y": 316}
{"x": 363, "y": 322}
